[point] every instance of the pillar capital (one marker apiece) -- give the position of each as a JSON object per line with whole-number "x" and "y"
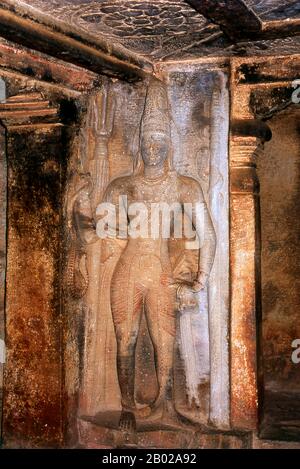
{"x": 28, "y": 111}
{"x": 243, "y": 151}
{"x": 243, "y": 155}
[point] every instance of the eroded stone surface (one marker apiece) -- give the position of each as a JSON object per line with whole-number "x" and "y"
{"x": 32, "y": 404}
{"x": 280, "y": 275}
{"x": 34, "y": 322}
{"x": 158, "y": 29}
{"x": 272, "y": 9}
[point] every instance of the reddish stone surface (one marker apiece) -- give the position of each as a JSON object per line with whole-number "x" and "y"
{"x": 263, "y": 89}
{"x": 32, "y": 398}
{"x": 243, "y": 324}
{"x": 280, "y": 211}
{"x": 2, "y": 245}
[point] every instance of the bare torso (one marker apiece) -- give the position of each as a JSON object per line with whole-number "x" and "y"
{"x": 143, "y": 196}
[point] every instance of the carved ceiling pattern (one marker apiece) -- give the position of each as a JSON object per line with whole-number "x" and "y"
{"x": 128, "y": 18}
{"x": 155, "y": 29}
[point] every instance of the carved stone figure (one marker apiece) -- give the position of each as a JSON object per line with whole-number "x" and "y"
{"x": 143, "y": 280}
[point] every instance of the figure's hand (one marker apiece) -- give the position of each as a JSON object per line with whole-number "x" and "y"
{"x": 197, "y": 286}
{"x": 200, "y": 283}
{"x": 186, "y": 297}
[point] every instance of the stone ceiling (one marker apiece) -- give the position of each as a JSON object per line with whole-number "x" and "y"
{"x": 156, "y": 29}
{"x": 275, "y": 9}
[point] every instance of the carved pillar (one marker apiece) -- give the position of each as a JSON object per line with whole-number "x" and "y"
{"x": 2, "y": 252}
{"x": 32, "y": 382}
{"x": 245, "y": 271}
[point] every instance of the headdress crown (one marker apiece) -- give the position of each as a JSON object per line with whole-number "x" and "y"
{"x": 156, "y": 117}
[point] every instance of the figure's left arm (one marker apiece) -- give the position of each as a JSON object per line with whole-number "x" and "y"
{"x": 205, "y": 233}
{"x": 207, "y": 251}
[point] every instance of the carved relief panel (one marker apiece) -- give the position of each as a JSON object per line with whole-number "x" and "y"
{"x": 147, "y": 317}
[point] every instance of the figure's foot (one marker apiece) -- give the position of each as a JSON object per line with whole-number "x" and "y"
{"x": 127, "y": 422}
{"x": 166, "y": 416}
{"x": 143, "y": 412}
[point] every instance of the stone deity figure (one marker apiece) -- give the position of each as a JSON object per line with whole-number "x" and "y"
{"x": 143, "y": 281}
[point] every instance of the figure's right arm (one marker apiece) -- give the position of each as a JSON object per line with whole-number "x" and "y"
{"x": 111, "y": 215}
{"x": 91, "y": 227}
{"x": 83, "y": 218}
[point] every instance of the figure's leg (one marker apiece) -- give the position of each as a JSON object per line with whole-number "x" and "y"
{"x": 126, "y": 306}
{"x": 160, "y": 313}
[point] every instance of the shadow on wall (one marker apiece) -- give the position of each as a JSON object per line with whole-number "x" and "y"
{"x": 279, "y": 174}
